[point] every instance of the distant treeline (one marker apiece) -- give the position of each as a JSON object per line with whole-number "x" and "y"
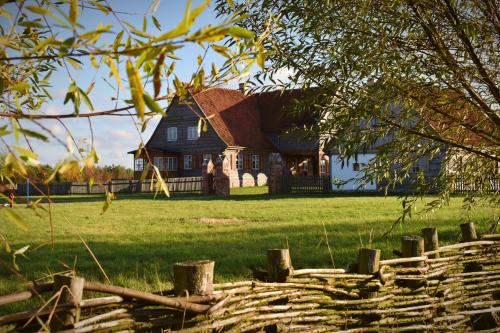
{"x": 100, "y": 174}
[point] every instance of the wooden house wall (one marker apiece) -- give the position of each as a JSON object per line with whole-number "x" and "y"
{"x": 181, "y": 116}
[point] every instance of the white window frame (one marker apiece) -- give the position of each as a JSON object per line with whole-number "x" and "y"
{"x": 139, "y": 164}
{"x": 192, "y": 133}
{"x": 239, "y": 161}
{"x": 322, "y": 166}
{"x": 188, "y": 162}
{"x": 171, "y": 134}
{"x": 171, "y": 163}
{"x": 159, "y": 163}
{"x": 255, "y": 162}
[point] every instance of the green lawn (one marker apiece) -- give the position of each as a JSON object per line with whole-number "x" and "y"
{"x": 138, "y": 239}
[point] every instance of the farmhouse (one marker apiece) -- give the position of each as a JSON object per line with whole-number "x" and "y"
{"x": 244, "y": 127}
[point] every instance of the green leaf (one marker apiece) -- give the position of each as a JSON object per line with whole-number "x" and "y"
{"x": 157, "y": 74}
{"x": 117, "y": 41}
{"x": 222, "y": 50}
{"x": 152, "y": 105}
{"x": 186, "y": 23}
{"x": 20, "y": 86}
{"x": 86, "y": 99}
{"x": 94, "y": 156}
{"x": 68, "y": 166}
{"x": 110, "y": 196}
{"x": 37, "y": 10}
{"x": 156, "y": 23}
{"x": 115, "y": 72}
{"x": 73, "y": 11}
{"x": 261, "y": 58}
{"x": 34, "y": 134}
{"x": 136, "y": 89}
{"x": 26, "y": 152}
{"x": 145, "y": 171}
{"x": 161, "y": 182}
{"x": 15, "y": 218}
{"x": 240, "y": 32}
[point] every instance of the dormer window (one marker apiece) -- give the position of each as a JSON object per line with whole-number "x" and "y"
{"x": 172, "y": 134}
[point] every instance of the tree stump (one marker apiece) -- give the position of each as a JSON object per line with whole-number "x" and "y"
{"x": 431, "y": 241}
{"x": 412, "y": 246}
{"x": 468, "y": 232}
{"x": 71, "y": 293}
{"x": 279, "y": 264}
{"x": 195, "y": 277}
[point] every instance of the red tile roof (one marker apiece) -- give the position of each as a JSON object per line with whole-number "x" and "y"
{"x": 276, "y": 110}
{"x": 242, "y": 120}
{"x": 234, "y": 116}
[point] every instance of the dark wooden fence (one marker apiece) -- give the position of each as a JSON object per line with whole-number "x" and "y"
{"x": 175, "y": 185}
{"x": 314, "y": 184}
{"x": 306, "y": 184}
{"x": 462, "y": 186}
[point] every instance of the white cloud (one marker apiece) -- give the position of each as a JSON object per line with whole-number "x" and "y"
{"x": 122, "y": 134}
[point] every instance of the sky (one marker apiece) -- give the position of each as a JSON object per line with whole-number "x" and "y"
{"x": 115, "y": 136}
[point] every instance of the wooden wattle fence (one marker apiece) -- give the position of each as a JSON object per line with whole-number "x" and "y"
{"x": 429, "y": 288}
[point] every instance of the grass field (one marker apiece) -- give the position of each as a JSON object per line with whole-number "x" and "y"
{"x": 138, "y": 239}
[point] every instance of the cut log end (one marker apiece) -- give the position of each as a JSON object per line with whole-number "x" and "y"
{"x": 194, "y": 277}
{"x": 412, "y": 246}
{"x": 279, "y": 264}
{"x": 468, "y": 232}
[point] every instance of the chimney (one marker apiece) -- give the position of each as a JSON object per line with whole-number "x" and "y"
{"x": 242, "y": 87}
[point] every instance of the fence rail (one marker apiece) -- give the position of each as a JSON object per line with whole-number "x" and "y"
{"x": 314, "y": 184}
{"x": 431, "y": 288}
{"x": 175, "y": 185}
{"x": 306, "y": 184}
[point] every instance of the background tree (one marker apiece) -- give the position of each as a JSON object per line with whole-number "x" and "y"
{"x": 423, "y": 73}
{"x": 41, "y": 37}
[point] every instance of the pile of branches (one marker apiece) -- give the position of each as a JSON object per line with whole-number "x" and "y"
{"x": 457, "y": 290}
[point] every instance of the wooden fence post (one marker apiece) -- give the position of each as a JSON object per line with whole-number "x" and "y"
{"x": 368, "y": 261}
{"x": 71, "y": 289}
{"x": 412, "y": 246}
{"x": 279, "y": 264}
{"x": 431, "y": 241}
{"x": 195, "y": 277}
{"x": 468, "y": 232}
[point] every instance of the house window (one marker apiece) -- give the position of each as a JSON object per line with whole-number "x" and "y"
{"x": 172, "y": 134}
{"x": 420, "y": 165}
{"x": 171, "y": 163}
{"x": 355, "y": 166}
{"x": 139, "y": 164}
{"x": 322, "y": 165}
{"x": 159, "y": 163}
{"x": 207, "y": 157}
{"x": 192, "y": 133}
{"x": 255, "y": 162}
{"x": 239, "y": 161}
{"x": 188, "y": 162}
{"x": 305, "y": 166}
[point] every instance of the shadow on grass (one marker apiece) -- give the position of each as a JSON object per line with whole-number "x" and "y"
{"x": 239, "y": 196}
{"x": 235, "y": 251}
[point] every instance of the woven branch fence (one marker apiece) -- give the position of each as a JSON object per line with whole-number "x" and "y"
{"x": 453, "y": 288}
